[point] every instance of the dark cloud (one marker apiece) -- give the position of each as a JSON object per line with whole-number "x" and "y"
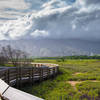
{"x": 56, "y": 19}
{"x": 92, "y": 1}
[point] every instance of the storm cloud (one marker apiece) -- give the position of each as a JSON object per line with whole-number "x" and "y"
{"x": 50, "y": 19}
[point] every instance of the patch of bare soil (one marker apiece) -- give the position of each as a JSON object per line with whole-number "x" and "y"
{"x": 94, "y": 81}
{"x": 77, "y": 73}
{"x": 73, "y": 83}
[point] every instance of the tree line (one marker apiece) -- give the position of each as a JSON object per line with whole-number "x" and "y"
{"x": 72, "y": 57}
{"x": 15, "y": 57}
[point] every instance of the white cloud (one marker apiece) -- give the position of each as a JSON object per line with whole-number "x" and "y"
{"x": 54, "y": 4}
{"x": 55, "y": 19}
{"x": 40, "y": 33}
{"x": 14, "y": 4}
{"x": 16, "y": 28}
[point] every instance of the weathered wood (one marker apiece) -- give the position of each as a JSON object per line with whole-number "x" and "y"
{"x": 17, "y": 75}
{"x": 41, "y": 74}
{"x": 20, "y": 77}
{"x": 48, "y": 73}
{"x": 8, "y": 76}
{"x": 9, "y": 93}
{"x": 32, "y": 75}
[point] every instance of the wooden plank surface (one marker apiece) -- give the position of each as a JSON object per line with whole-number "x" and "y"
{"x": 15, "y": 94}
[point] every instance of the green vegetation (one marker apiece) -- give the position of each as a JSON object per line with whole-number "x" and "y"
{"x": 73, "y": 57}
{"x": 78, "y": 80}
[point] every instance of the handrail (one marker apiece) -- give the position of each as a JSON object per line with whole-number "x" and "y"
{"x": 9, "y": 93}
{"x": 18, "y": 75}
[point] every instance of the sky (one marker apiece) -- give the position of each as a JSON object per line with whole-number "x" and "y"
{"x": 54, "y": 19}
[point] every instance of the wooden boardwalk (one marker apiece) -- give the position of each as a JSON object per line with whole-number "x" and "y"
{"x": 16, "y": 76}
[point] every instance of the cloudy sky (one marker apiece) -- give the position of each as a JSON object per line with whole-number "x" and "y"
{"x": 27, "y": 19}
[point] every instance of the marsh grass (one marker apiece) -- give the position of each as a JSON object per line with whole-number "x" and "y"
{"x": 59, "y": 87}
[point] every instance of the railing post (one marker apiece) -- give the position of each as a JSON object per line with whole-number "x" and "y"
{"x": 57, "y": 69}
{"x": 8, "y": 76}
{"x": 32, "y": 75}
{"x": 17, "y": 76}
{"x": 53, "y": 72}
{"x": 48, "y": 72}
{"x": 20, "y": 77}
{"x": 40, "y": 73}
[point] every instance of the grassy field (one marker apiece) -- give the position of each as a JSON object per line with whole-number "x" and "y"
{"x": 78, "y": 80}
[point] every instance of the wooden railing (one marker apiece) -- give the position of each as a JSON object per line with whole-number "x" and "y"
{"x": 19, "y": 75}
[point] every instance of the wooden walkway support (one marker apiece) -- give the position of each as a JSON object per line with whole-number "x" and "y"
{"x": 16, "y": 76}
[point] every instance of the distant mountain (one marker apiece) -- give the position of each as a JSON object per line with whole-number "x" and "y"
{"x": 55, "y": 47}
